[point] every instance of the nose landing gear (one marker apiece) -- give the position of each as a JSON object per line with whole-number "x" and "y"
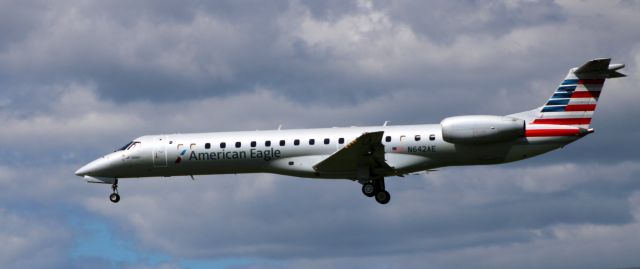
{"x": 114, "y": 197}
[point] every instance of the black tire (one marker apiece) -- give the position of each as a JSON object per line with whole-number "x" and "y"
{"x": 114, "y": 197}
{"x": 368, "y": 189}
{"x": 383, "y": 197}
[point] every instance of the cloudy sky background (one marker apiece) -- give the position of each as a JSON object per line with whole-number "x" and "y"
{"x": 81, "y": 78}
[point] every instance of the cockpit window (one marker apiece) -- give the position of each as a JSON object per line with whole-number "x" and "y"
{"x": 134, "y": 145}
{"x": 125, "y": 146}
{"x": 131, "y": 145}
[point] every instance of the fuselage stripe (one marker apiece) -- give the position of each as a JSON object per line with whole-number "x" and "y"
{"x": 569, "y": 121}
{"x": 552, "y": 132}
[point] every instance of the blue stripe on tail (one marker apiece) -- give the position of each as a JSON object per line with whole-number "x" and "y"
{"x": 558, "y": 102}
{"x": 554, "y": 108}
{"x": 567, "y": 88}
{"x": 561, "y": 95}
{"x": 570, "y": 81}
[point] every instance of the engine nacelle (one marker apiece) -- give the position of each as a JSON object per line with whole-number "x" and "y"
{"x": 481, "y": 129}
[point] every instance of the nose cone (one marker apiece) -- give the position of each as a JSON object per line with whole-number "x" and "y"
{"x": 83, "y": 170}
{"x": 99, "y": 167}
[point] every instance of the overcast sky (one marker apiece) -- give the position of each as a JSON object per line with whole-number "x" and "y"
{"x": 81, "y": 78}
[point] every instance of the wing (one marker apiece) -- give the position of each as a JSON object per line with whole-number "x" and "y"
{"x": 366, "y": 151}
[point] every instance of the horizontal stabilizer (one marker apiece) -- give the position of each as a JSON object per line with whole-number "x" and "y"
{"x": 600, "y": 68}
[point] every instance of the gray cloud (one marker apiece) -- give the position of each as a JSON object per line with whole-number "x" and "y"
{"x": 23, "y": 235}
{"x": 447, "y": 20}
{"x": 311, "y": 52}
{"x": 80, "y": 78}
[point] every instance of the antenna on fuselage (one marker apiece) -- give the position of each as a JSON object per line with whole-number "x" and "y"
{"x": 386, "y": 123}
{"x": 279, "y": 127}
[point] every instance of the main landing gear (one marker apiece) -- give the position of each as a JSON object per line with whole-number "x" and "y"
{"x": 114, "y": 197}
{"x": 375, "y": 188}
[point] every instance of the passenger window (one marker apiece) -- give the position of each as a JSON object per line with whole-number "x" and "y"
{"x": 432, "y": 137}
{"x": 326, "y": 141}
{"x": 417, "y": 137}
{"x": 193, "y": 146}
{"x": 223, "y": 145}
{"x": 253, "y": 144}
{"x": 267, "y": 143}
{"x": 341, "y": 141}
{"x": 282, "y": 143}
{"x": 296, "y": 142}
{"x": 207, "y": 145}
{"x": 388, "y": 138}
{"x": 238, "y": 144}
{"x": 403, "y": 138}
{"x": 312, "y": 141}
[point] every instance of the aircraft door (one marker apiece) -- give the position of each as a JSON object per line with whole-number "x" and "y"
{"x": 160, "y": 151}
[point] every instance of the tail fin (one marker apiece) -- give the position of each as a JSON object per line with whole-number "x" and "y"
{"x": 574, "y": 102}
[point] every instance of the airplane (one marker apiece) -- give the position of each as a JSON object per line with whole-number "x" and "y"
{"x": 367, "y": 155}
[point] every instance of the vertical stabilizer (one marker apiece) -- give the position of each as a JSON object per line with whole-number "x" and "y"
{"x": 574, "y": 101}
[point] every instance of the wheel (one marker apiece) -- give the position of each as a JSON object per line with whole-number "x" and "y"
{"x": 383, "y": 197}
{"x": 114, "y": 197}
{"x": 368, "y": 189}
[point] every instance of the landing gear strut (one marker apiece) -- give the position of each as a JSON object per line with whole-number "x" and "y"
{"x": 114, "y": 197}
{"x": 375, "y": 188}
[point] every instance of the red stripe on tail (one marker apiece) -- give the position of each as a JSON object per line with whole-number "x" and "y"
{"x": 591, "y": 107}
{"x": 586, "y": 94}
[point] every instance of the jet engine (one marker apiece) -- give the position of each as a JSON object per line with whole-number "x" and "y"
{"x": 481, "y": 129}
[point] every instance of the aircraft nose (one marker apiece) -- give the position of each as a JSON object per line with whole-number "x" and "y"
{"x": 89, "y": 168}
{"x": 94, "y": 168}
{"x": 82, "y": 171}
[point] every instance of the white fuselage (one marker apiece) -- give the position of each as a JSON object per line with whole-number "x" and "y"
{"x": 408, "y": 149}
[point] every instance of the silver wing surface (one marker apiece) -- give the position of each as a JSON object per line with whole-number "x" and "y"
{"x": 364, "y": 152}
